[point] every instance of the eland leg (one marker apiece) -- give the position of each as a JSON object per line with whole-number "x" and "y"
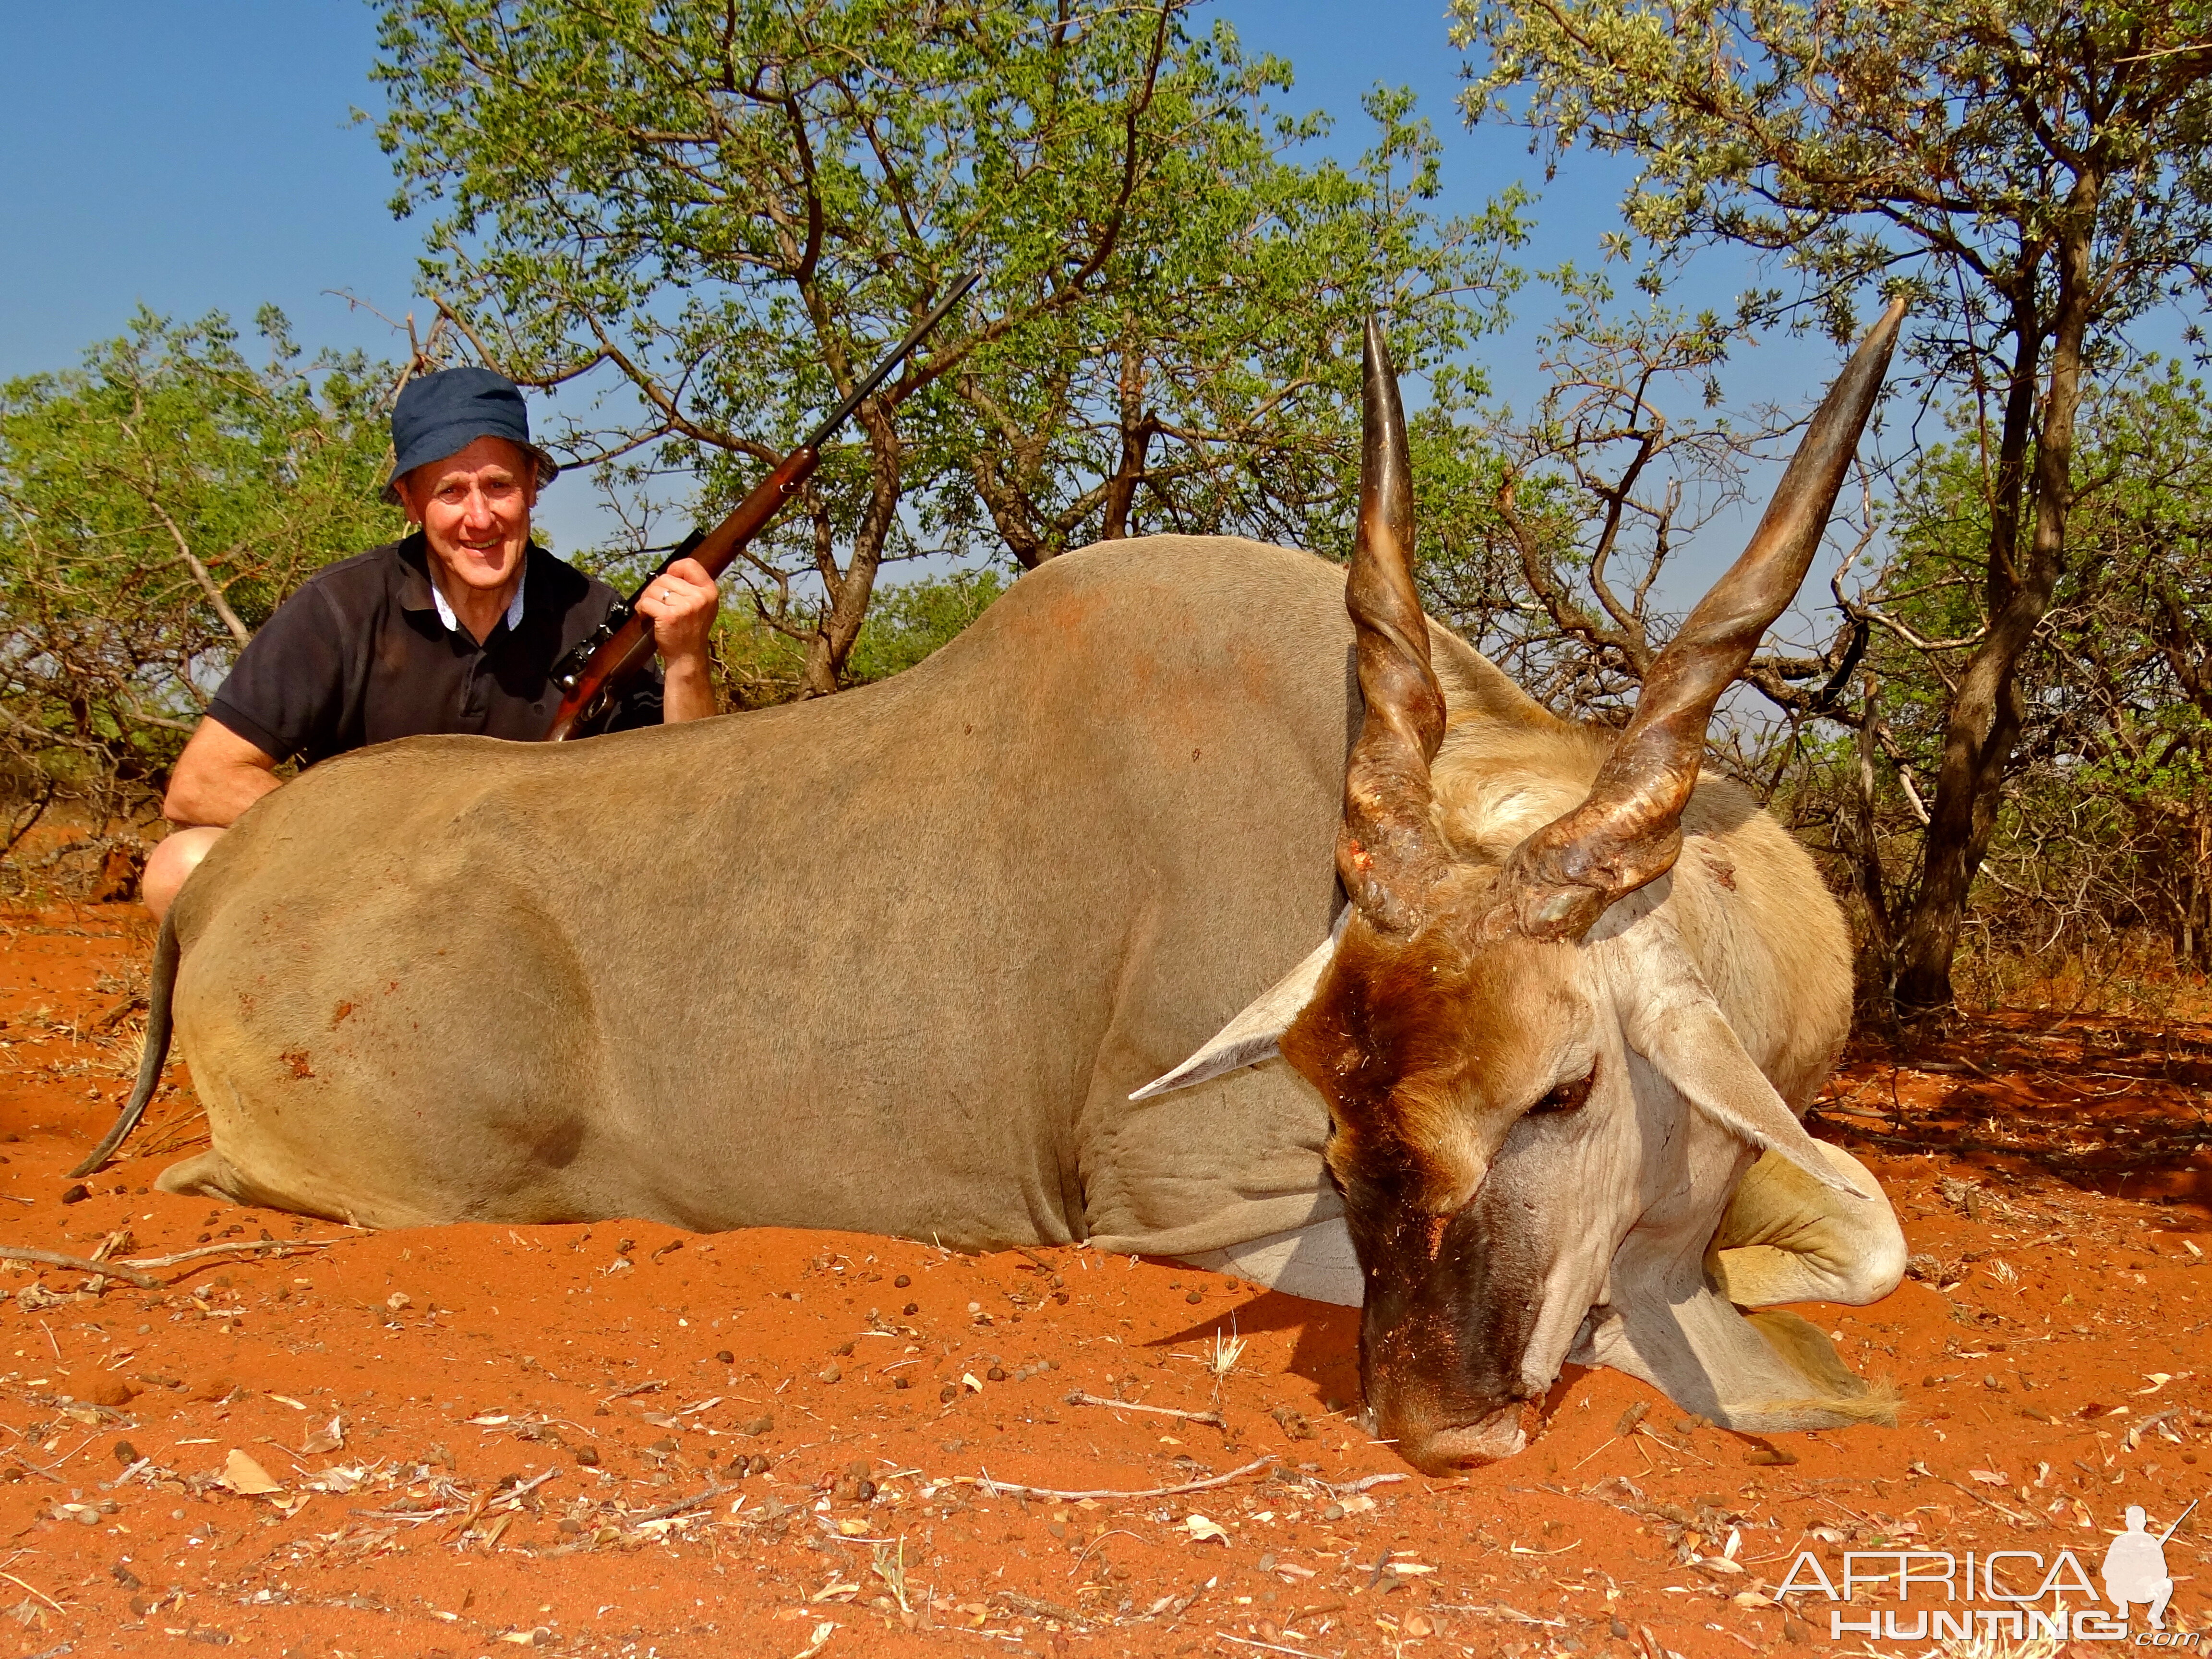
{"x": 1314, "y": 1261}
{"x": 1787, "y": 1239}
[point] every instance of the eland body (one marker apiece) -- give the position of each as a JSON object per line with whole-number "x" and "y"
{"x": 1530, "y": 1098}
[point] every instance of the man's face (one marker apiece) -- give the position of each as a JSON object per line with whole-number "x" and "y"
{"x": 474, "y": 509}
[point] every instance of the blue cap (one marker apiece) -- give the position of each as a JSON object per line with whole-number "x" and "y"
{"x": 442, "y": 413}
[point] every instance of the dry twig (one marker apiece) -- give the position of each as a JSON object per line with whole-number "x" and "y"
{"x": 254, "y": 1246}
{"x": 36, "y": 1591}
{"x": 676, "y": 1506}
{"x": 98, "y": 1269}
{"x": 1360, "y": 1485}
{"x": 1079, "y": 1398}
{"x": 1011, "y": 1488}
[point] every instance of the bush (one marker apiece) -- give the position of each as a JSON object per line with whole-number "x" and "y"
{"x": 156, "y": 506}
{"x": 757, "y": 665}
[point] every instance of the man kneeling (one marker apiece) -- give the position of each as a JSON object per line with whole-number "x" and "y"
{"x": 456, "y": 629}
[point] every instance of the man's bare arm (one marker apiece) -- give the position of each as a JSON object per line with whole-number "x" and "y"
{"x": 218, "y": 777}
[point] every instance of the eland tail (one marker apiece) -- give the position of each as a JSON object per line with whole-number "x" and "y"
{"x": 160, "y": 990}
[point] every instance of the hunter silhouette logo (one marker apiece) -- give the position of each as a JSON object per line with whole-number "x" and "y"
{"x": 2135, "y": 1567}
{"x": 2134, "y": 1574}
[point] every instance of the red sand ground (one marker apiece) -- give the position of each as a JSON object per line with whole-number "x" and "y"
{"x": 480, "y": 1438}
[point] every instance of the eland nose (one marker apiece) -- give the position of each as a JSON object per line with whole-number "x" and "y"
{"x": 1463, "y": 1446}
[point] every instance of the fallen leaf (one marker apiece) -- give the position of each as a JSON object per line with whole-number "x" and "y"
{"x": 2157, "y": 1380}
{"x": 968, "y": 1380}
{"x": 287, "y": 1400}
{"x": 1989, "y": 1477}
{"x": 1750, "y": 1599}
{"x": 243, "y": 1475}
{"x": 1200, "y": 1528}
{"x": 853, "y": 1528}
{"x": 328, "y": 1438}
{"x": 834, "y": 1592}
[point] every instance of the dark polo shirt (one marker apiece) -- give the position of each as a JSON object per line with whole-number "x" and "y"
{"x": 358, "y": 655}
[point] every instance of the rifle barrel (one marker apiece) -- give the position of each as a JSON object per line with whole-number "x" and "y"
{"x": 882, "y": 372}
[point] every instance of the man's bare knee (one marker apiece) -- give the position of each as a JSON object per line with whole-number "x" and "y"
{"x": 170, "y": 864}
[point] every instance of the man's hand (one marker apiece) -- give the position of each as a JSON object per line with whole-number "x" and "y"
{"x": 218, "y": 777}
{"x": 681, "y": 603}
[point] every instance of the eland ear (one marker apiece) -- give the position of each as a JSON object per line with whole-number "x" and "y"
{"x": 1251, "y": 1036}
{"x": 1690, "y": 1042}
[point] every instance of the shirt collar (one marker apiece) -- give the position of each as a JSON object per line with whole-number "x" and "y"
{"x": 513, "y": 618}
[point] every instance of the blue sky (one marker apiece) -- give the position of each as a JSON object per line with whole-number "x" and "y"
{"x": 191, "y": 157}
{"x": 204, "y": 156}
{"x": 199, "y": 155}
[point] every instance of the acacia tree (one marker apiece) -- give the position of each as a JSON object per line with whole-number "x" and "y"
{"x": 156, "y": 506}
{"x": 2034, "y": 170}
{"x": 1210, "y": 384}
{"x": 2108, "y": 827}
{"x": 733, "y": 207}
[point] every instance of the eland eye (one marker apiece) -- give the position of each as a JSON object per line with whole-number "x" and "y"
{"x": 1568, "y": 1097}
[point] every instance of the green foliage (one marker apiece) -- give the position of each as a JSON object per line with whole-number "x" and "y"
{"x": 732, "y": 209}
{"x": 1863, "y": 139}
{"x": 757, "y": 665}
{"x": 156, "y": 506}
{"x": 911, "y": 621}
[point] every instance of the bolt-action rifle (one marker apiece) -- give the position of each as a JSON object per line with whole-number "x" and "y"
{"x": 619, "y": 647}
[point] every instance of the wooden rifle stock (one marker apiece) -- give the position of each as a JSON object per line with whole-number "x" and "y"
{"x": 589, "y": 675}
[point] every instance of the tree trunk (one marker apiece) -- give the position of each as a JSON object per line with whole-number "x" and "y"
{"x": 850, "y": 590}
{"x": 1136, "y": 431}
{"x": 1874, "y": 891}
{"x": 1986, "y": 714}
